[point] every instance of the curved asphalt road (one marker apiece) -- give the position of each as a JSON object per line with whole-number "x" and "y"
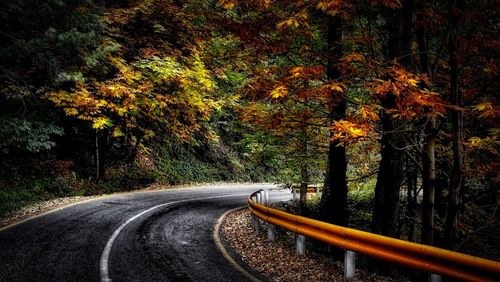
{"x": 148, "y": 236}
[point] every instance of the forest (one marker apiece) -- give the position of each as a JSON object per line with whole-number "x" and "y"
{"x": 391, "y": 104}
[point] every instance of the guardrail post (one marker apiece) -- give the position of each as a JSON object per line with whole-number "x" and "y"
{"x": 435, "y": 277}
{"x": 271, "y": 232}
{"x": 266, "y": 197}
{"x": 259, "y": 198}
{"x": 301, "y": 245}
{"x": 255, "y": 223}
{"x": 349, "y": 264}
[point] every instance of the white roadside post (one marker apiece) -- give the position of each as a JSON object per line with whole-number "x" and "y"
{"x": 349, "y": 264}
{"x": 301, "y": 245}
{"x": 266, "y": 198}
{"x": 255, "y": 220}
{"x": 294, "y": 194}
{"x": 271, "y": 232}
{"x": 435, "y": 277}
{"x": 259, "y": 198}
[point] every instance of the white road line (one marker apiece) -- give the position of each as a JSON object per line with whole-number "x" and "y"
{"x": 104, "y": 264}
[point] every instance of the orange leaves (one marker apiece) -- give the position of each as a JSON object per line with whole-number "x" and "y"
{"x": 369, "y": 113}
{"x": 391, "y": 4}
{"x": 305, "y": 72}
{"x": 354, "y": 57}
{"x": 333, "y": 92}
{"x": 412, "y": 100}
{"x": 400, "y": 81}
{"x": 337, "y": 87}
{"x": 335, "y": 7}
{"x": 299, "y": 19}
{"x": 227, "y": 4}
{"x": 346, "y": 131}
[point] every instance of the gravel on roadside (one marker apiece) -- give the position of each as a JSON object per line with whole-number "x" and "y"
{"x": 277, "y": 260}
{"x": 39, "y": 208}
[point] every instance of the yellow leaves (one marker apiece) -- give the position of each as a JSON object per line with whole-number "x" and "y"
{"x": 488, "y": 143}
{"x": 295, "y": 21}
{"x": 486, "y": 110}
{"x": 279, "y": 92}
{"x": 101, "y": 123}
{"x": 290, "y": 22}
{"x": 117, "y": 132}
{"x": 474, "y": 141}
{"x": 228, "y": 4}
{"x": 71, "y": 111}
{"x": 412, "y": 82}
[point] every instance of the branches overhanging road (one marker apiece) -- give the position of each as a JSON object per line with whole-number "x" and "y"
{"x": 150, "y": 236}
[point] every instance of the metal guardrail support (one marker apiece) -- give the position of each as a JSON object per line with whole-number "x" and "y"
{"x": 301, "y": 245}
{"x": 349, "y": 264}
{"x": 259, "y": 198}
{"x": 266, "y": 198}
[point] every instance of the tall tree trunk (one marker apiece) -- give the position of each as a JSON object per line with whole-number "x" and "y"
{"x": 334, "y": 198}
{"x": 456, "y": 7}
{"x": 97, "y": 156}
{"x": 428, "y": 150}
{"x": 386, "y": 209}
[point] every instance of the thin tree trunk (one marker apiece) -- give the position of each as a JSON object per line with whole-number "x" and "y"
{"x": 428, "y": 150}
{"x": 101, "y": 144}
{"x": 334, "y": 198}
{"x": 97, "y": 156}
{"x": 428, "y": 182}
{"x": 411, "y": 204}
{"x": 304, "y": 174}
{"x": 457, "y": 125}
{"x": 135, "y": 150}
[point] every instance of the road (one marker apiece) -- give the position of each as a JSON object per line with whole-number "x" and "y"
{"x": 149, "y": 236}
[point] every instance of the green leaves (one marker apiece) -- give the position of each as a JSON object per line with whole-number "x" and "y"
{"x": 24, "y": 135}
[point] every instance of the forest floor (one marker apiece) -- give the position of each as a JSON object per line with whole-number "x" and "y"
{"x": 277, "y": 260}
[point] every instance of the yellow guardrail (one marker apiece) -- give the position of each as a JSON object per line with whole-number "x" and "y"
{"x": 413, "y": 255}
